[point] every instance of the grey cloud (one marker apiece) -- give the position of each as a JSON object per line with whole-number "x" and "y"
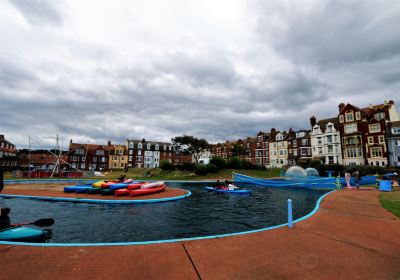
{"x": 38, "y": 12}
{"x": 331, "y": 33}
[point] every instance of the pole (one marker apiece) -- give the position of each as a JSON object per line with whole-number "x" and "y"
{"x": 29, "y": 157}
{"x": 290, "y": 213}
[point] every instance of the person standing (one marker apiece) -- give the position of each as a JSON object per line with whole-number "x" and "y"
{"x": 356, "y": 176}
{"x": 347, "y": 177}
{"x": 1, "y": 179}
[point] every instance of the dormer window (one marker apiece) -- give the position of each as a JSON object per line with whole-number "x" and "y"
{"x": 165, "y": 147}
{"x": 139, "y": 146}
{"x": 279, "y": 137}
{"x": 157, "y": 147}
{"x": 396, "y": 130}
{"x": 379, "y": 116}
{"x": 349, "y": 117}
{"x": 80, "y": 151}
{"x": 148, "y": 146}
{"x": 130, "y": 145}
{"x": 358, "y": 115}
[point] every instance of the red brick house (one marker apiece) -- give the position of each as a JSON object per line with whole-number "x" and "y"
{"x": 363, "y": 133}
{"x": 89, "y": 156}
{"x": 8, "y": 154}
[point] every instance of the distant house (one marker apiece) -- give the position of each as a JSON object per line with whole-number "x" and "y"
{"x": 261, "y": 152}
{"x": 118, "y": 157}
{"x": 8, "y": 154}
{"x": 393, "y": 139}
{"x": 40, "y": 160}
{"x": 299, "y": 146}
{"x": 148, "y": 154}
{"x": 278, "y": 148}
{"x": 363, "y": 132}
{"x": 89, "y": 156}
{"x": 325, "y": 140}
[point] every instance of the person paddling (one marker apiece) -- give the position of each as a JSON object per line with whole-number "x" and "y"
{"x": 1, "y": 180}
{"x": 4, "y": 218}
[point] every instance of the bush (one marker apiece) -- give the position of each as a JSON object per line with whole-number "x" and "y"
{"x": 234, "y": 163}
{"x": 212, "y": 168}
{"x": 219, "y": 162}
{"x": 201, "y": 169}
{"x": 188, "y": 166}
{"x": 165, "y": 165}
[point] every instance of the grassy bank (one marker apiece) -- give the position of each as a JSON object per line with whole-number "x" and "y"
{"x": 391, "y": 201}
{"x": 158, "y": 174}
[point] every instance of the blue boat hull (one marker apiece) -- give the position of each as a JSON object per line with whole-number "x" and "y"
{"x": 24, "y": 234}
{"x": 229, "y": 191}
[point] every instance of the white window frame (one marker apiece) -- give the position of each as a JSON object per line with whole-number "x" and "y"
{"x": 350, "y": 127}
{"x": 341, "y": 118}
{"x": 349, "y": 116}
{"x": 358, "y": 115}
{"x": 374, "y": 128}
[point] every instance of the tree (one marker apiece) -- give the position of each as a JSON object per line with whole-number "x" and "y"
{"x": 238, "y": 150}
{"x": 191, "y": 145}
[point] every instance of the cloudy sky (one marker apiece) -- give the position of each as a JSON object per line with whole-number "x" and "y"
{"x": 220, "y": 70}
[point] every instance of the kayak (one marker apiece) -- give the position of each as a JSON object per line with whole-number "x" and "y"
{"x": 121, "y": 192}
{"x": 24, "y": 234}
{"x": 94, "y": 190}
{"x": 152, "y": 185}
{"x": 107, "y": 192}
{"x": 147, "y": 191}
{"x": 77, "y": 189}
{"x": 98, "y": 184}
{"x": 229, "y": 191}
{"x": 134, "y": 186}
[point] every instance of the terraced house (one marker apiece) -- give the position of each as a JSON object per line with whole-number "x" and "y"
{"x": 363, "y": 133}
{"x": 278, "y": 148}
{"x": 148, "y": 154}
{"x": 8, "y": 154}
{"x": 393, "y": 139}
{"x": 325, "y": 140}
{"x": 299, "y": 146}
{"x": 118, "y": 157}
{"x": 89, "y": 156}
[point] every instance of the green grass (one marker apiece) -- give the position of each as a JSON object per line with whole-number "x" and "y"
{"x": 391, "y": 201}
{"x": 158, "y": 174}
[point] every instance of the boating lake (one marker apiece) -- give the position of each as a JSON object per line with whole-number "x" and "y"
{"x": 201, "y": 214}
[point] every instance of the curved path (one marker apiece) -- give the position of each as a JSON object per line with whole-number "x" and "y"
{"x": 350, "y": 237}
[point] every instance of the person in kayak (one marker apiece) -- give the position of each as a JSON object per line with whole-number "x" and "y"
{"x": 4, "y": 218}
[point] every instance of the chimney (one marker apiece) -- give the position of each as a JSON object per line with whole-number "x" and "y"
{"x": 391, "y": 102}
{"x": 109, "y": 143}
{"x": 70, "y": 142}
{"x": 341, "y": 106}
{"x": 1, "y": 137}
{"x": 313, "y": 121}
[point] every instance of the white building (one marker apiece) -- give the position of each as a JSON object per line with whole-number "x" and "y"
{"x": 325, "y": 141}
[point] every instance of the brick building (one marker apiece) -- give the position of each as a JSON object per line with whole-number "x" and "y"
{"x": 89, "y": 156}
{"x": 8, "y": 154}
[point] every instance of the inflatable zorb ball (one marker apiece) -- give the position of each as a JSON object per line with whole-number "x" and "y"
{"x": 312, "y": 172}
{"x": 296, "y": 172}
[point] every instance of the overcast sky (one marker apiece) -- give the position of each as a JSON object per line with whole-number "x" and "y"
{"x": 220, "y": 70}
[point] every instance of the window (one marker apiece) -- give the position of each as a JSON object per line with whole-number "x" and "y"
{"x": 358, "y": 116}
{"x": 279, "y": 137}
{"x": 329, "y": 139}
{"x": 379, "y": 116}
{"x": 303, "y": 152}
{"x": 351, "y": 127}
{"x": 121, "y": 165}
{"x": 157, "y": 147}
{"x": 300, "y": 134}
{"x": 373, "y": 128}
{"x": 148, "y": 146}
{"x": 294, "y": 143}
{"x": 139, "y": 158}
{"x": 80, "y": 151}
{"x": 122, "y": 158}
{"x": 115, "y": 157}
{"x": 295, "y": 152}
{"x": 139, "y": 146}
{"x": 376, "y": 152}
{"x": 396, "y": 130}
{"x": 330, "y": 149}
{"x": 329, "y": 128}
{"x": 341, "y": 119}
{"x": 349, "y": 117}
{"x": 139, "y": 153}
{"x": 130, "y": 152}
{"x": 165, "y": 147}
{"x": 99, "y": 152}
{"x": 130, "y": 145}
{"x": 120, "y": 152}
{"x": 319, "y": 140}
{"x": 370, "y": 140}
{"x": 103, "y": 159}
{"x": 130, "y": 158}
{"x": 381, "y": 139}
{"x": 304, "y": 142}
{"x": 353, "y": 152}
{"x": 94, "y": 159}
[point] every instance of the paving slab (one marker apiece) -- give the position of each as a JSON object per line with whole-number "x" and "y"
{"x": 350, "y": 237}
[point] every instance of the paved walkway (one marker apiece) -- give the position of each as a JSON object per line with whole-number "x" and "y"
{"x": 350, "y": 237}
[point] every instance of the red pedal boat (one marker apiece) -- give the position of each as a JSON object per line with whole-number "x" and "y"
{"x": 147, "y": 191}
